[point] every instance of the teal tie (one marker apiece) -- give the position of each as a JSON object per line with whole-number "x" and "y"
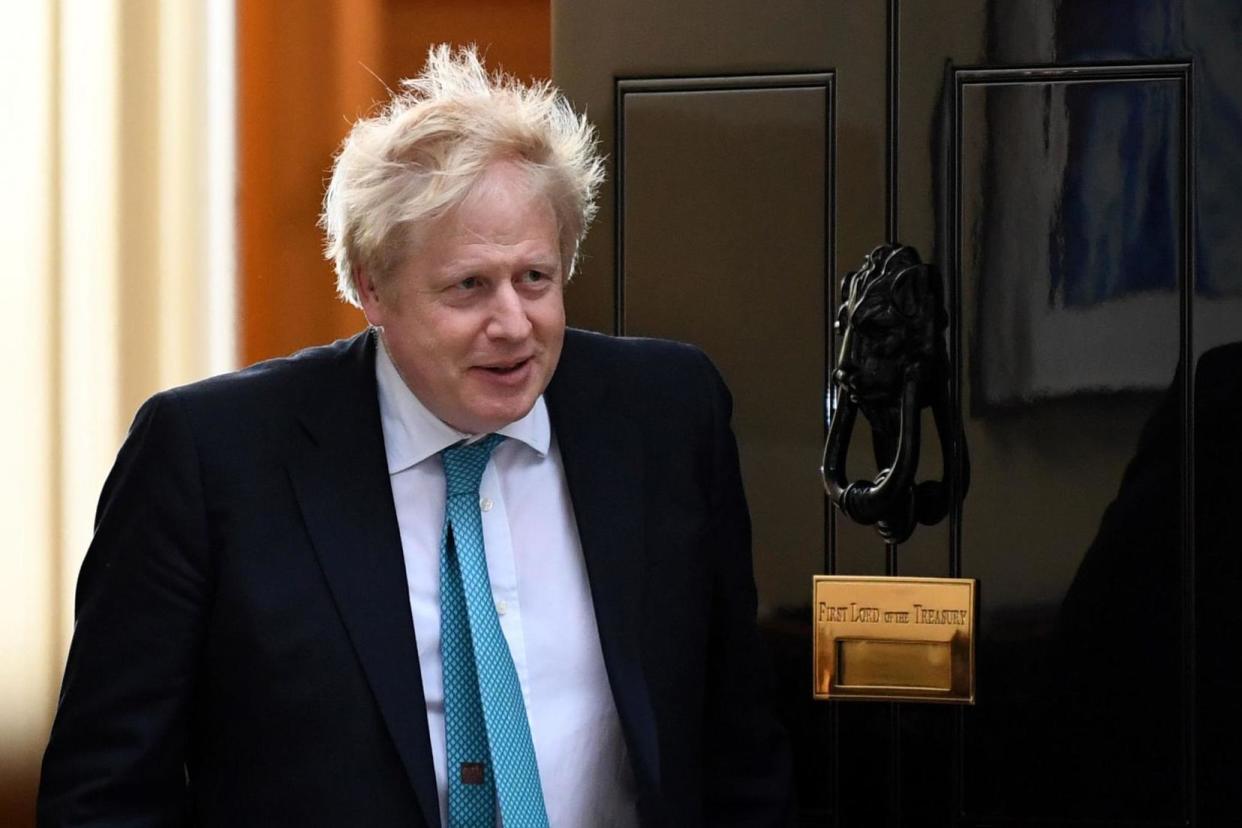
{"x": 491, "y": 757}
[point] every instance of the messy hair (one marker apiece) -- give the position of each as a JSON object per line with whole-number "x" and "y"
{"x": 399, "y": 171}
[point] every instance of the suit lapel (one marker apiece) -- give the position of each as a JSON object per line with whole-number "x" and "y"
{"x": 340, "y": 477}
{"x": 602, "y": 455}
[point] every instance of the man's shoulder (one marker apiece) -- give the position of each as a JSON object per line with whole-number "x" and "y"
{"x": 281, "y": 377}
{"x": 640, "y": 373}
{"x": 258, "y": 401}
{"x": 648, "y": 356}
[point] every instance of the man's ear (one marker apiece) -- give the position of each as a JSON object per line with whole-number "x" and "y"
{"x": 368, "y": 296}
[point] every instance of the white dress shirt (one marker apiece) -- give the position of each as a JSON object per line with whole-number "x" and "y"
{"x": 543, "y": 599}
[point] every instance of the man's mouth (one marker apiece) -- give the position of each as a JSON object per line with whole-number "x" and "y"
{"x": 506, "y": 368}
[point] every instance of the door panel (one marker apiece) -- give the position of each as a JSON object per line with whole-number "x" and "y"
{"x": 1069, "y": 190}
{"x": 1072, "y": 168}
{"x": 599, "y": 43}
{"x": 725, "y": 200}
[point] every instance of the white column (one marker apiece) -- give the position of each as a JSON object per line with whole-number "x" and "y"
{"x": 88, "y": 372}
{"x": 117, "y": 225}
{"x": 29, "y": 505}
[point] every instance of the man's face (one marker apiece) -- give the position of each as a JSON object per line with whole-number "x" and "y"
{"x": 474, "y": 319}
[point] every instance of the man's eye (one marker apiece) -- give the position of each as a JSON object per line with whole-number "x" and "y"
{"x": 469, "y": 283}
{"x": 534, "y": 276}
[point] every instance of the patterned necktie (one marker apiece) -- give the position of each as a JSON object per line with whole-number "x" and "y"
{"x": 491, "y": 757}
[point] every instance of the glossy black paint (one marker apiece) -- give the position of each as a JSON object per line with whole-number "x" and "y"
{"x": 1055, "y": 343}
{"x": 1073, "y": 171}
{"x": 1077, "y": 157}
{"x": 1083, "y": 287}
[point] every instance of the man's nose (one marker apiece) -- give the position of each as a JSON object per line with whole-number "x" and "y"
{"x": 508, "y": 319}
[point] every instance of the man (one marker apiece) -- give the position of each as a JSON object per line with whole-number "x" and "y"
{"x": 299, "y": 608}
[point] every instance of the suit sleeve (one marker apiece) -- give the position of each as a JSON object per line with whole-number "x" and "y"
{"x": 117, "y": 749}
{"x": 748, "y": 773}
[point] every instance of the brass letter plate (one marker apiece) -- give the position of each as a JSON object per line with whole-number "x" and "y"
{"x": 895, "y": 639}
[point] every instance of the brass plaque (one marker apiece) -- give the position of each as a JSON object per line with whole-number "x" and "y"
{"x": 895, "y": 639}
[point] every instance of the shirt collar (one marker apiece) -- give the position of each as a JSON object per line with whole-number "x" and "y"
{"x": 412, "y": 433}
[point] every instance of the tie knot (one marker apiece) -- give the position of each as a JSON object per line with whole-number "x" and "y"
{"x": 464, "y": 464}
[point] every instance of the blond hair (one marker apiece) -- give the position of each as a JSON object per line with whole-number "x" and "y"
{"x": 399, "y": 171}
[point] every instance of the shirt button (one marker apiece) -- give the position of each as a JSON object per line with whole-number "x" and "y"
{"x": 501, "y": 607}
{"x": 486, "y": 504}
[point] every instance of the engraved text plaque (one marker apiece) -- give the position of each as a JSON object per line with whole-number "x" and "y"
{"x": 895, "y": 639}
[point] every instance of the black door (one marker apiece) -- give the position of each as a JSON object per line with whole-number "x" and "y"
{"x": 1074, "y": 171}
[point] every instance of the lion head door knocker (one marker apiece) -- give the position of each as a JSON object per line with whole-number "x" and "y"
{"x": 893, "y": 363}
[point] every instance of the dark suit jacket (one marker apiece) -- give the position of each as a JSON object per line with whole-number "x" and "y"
{"x": 244, "y": 652}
